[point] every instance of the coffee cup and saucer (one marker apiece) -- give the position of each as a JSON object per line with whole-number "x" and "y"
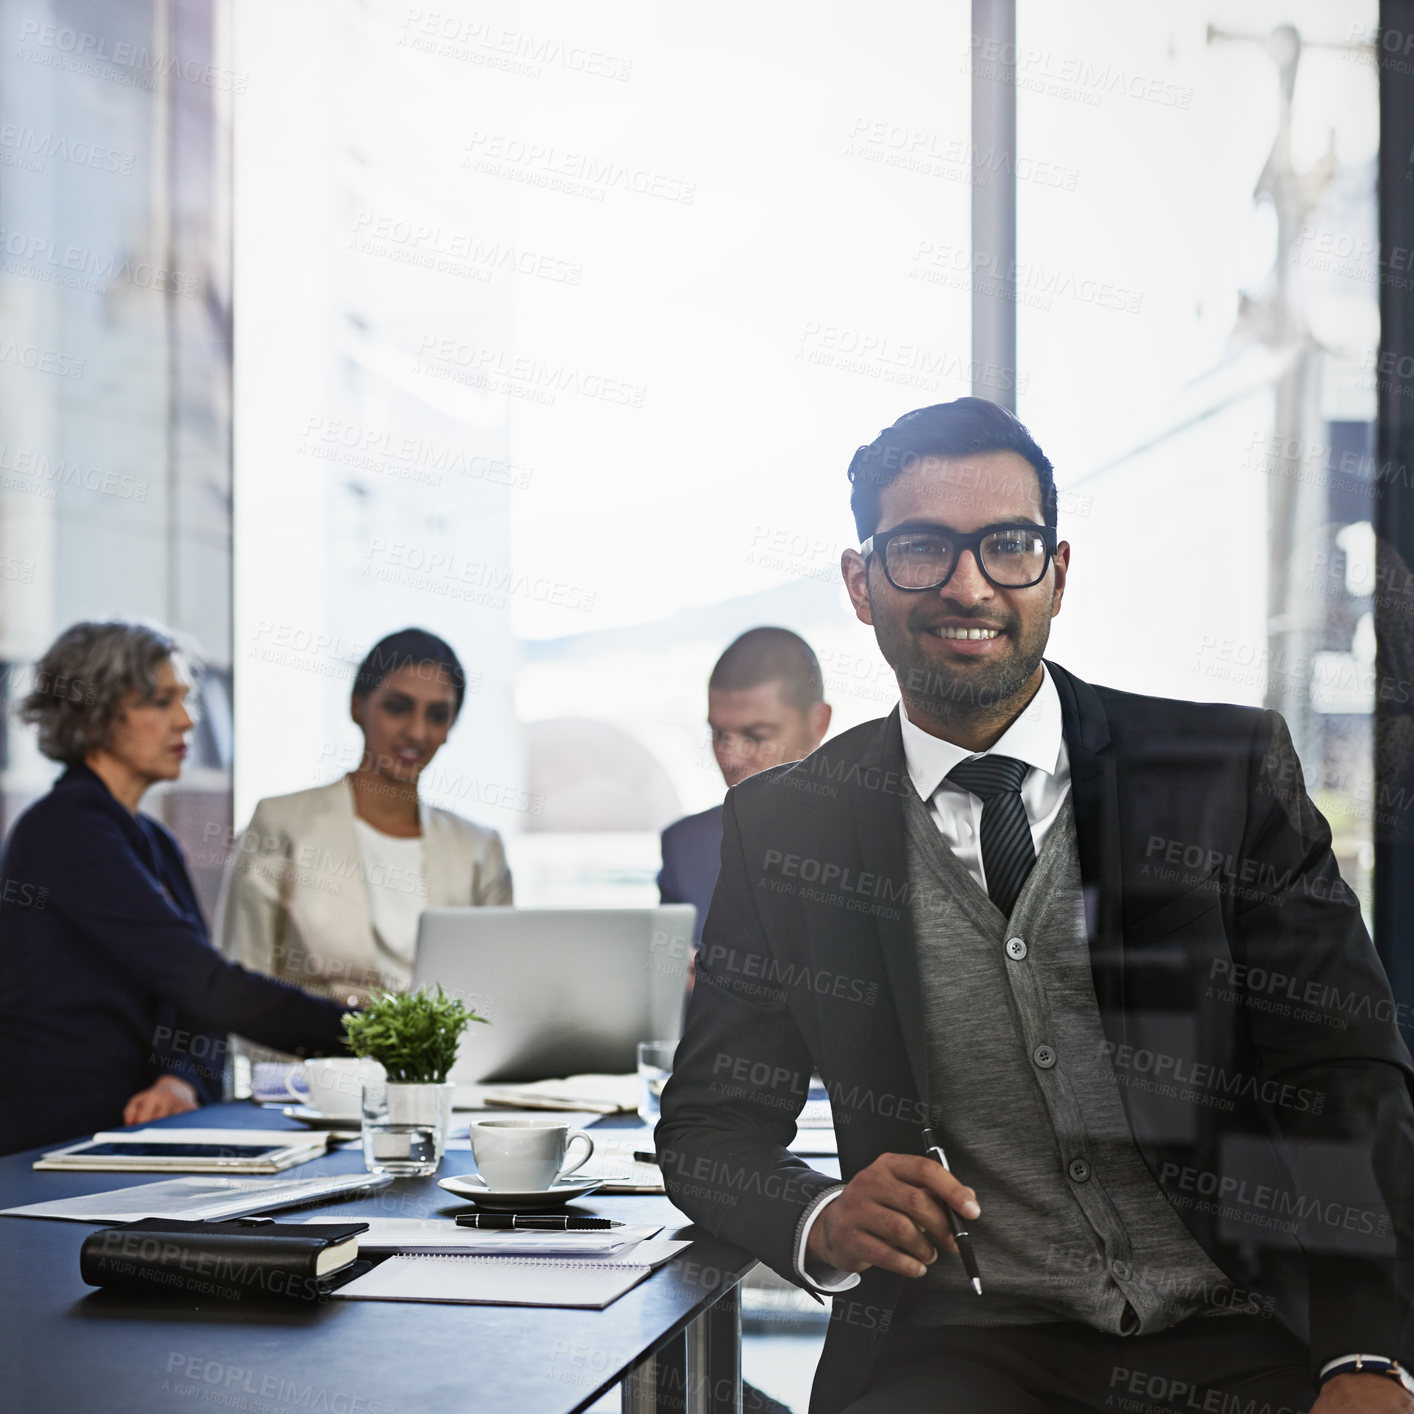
{"x": 525, "y": 1165}
{"x": 334, "y": 1085}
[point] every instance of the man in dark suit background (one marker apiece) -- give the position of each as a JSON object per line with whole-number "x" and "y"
{"x": 765, "y": 705}
{"x": 1100, "y": 944}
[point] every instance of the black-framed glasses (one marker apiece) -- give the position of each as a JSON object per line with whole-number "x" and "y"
{"x": 1015, "y": 555}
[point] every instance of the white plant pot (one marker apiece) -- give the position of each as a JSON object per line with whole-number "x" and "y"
{"x": 429, "y": 1103}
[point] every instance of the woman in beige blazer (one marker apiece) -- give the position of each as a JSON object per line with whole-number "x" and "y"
{"x": 326, "y": 885}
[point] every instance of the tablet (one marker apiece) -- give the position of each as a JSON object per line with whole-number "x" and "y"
{"x": 189, "y": 1150}
{"x": 148, "y": 1150}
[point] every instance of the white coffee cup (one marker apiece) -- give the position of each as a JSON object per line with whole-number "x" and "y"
{"x": 525, "y": 1155}
{"x": 336, "y": 1084}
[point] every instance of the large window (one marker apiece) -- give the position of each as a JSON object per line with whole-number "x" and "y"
{"x": 115, "y": 371}
{"x": 557, "y": 332}
{"x": 1198, "y": 318}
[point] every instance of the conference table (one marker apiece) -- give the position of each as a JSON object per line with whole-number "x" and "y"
{"x": 672, "y": 1343}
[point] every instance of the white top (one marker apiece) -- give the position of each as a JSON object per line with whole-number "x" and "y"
{"x": 397, "y": 886}
{"x": 296, "y": 902}
{"x": 1035, "y": 737}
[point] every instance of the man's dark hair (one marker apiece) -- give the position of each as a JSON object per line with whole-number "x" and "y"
{"x": 408, "y": 648}
{"x": 763, "y": 655}
{"x": 956, "y": 429}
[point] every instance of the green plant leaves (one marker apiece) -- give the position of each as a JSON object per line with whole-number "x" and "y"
{"x": 414, "y": 1036}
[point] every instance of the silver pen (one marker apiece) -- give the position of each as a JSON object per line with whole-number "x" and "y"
{"x": 959, "y": 1233}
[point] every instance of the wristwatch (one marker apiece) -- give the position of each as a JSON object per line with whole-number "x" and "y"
{"x": 1365, "y": 1365}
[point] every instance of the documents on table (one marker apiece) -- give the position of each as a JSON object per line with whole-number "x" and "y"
{"x": 815, "y": 1127}
{"x": 619, "y": 1146}
{"x": 424, "y": 1236}
{"x": 815, "y": 1144}
{"x": 512, "y": 1281}
{"x": 202, "y": 1198}
{"x": 600, "y": 1094}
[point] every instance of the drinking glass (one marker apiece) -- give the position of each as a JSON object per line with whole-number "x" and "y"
{"x": 405, "y": 1127}
{"x": 655, "y": 1065}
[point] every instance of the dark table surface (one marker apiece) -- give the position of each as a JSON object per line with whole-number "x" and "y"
{"x": 66, "y": 1346}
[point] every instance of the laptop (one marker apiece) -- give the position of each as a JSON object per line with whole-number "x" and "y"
{"x": 566, "y": 991}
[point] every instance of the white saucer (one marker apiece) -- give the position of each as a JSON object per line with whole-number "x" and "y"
{"x": 502, "y": 1200}
{"x": 317, "y": 1119}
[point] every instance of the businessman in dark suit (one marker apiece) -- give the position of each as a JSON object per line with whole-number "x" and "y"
{"x": 765, "y": 705}
{"x": 1099, "y": 943}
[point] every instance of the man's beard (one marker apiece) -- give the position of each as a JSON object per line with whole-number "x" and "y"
{"x": 974, "y": 689}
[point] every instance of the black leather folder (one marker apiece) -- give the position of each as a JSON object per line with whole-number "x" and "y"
{"x": 245, "y": 1257}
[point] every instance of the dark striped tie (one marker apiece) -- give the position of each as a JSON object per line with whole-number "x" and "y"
{"x": 1007, "y": 851}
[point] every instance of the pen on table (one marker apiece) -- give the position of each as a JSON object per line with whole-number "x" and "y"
{"x": 504, "y": 1222}
{"x": 959, "y": 1233}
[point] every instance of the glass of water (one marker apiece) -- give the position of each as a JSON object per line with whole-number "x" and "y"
{"x": 655, "y": 1065}
{"x": 405, "y": 1127}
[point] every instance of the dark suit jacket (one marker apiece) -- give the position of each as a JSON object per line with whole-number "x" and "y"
{"x": 107, "y": 979}
{"x": 1248, "y": 1017}
{"x": 692, "y": 855}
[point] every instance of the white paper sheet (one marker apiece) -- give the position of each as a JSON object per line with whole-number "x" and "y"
{"x": 198, "y": 1198}
{"x": 443, "y": 1235}
{"x": 586, "y": 1283}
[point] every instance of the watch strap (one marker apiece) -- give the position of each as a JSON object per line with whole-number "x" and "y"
{"x": 1365, "y": 1364}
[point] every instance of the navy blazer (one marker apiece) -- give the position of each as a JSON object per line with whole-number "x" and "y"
{"x": 692, "y": 857}
{"x": 1248, "y": 1020}
{"x": 107, "y": 977}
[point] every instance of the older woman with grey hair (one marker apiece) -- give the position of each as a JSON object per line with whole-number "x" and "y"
{"x": 113, "y": 1004}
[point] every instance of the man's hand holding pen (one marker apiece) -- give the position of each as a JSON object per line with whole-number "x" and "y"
{"x": 891, "y": 1215}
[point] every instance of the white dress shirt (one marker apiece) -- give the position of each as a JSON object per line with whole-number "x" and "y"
{"x": 1036, "y": 738}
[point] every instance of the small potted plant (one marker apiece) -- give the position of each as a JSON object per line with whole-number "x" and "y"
{"x": 414, "y": 1037}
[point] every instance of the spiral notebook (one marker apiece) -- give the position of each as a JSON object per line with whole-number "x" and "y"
{"x": 511, "y": 1281}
